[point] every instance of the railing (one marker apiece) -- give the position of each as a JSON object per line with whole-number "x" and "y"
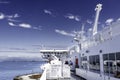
{"x": 106, "y": 34}
{"x": 56, "y": 71}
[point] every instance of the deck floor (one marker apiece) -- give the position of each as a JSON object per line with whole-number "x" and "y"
{"x": 26, "y": 77}
{"x": 73, "y": 77}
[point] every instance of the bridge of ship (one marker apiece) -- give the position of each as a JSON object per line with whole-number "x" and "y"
{"x": 57, "y": 53}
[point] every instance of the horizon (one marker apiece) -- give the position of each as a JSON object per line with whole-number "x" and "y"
{"x": 28, "y": 26}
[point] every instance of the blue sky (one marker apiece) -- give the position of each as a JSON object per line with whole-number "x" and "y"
{"x": 26, "y": 25}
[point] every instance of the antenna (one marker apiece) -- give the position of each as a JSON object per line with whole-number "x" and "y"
{"x": 97, "y": 9}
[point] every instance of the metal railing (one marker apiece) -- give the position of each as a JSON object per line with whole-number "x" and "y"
{"x": 106, "y": 34}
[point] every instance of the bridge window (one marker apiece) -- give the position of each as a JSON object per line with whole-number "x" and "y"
{"x": 109, "y": 63}
{"x": 117, "y": 74}
{"x": 112, "y": 64}
{"x": 84, "y": 62}
{"x": 94, "y": 63}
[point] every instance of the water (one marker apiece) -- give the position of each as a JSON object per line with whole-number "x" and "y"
{"x": 8, "y": 70}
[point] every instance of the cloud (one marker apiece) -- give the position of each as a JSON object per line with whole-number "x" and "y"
{"x": 25, "y": 25}
{"x": 9, "y": 17}
{"x": 2, "y": 16}
{"x": 17, "y": 49}
{"x": 109, "y": 21}
{"x": 16, "y": 15}
{"x": 36, "y": 28}
{"x": 89, "y": 21}
{"x": 118, "y": 19}
{"x": 13, "y": 20}
{"x": 77, "y": 18}
{"x": 47, "y": 12}
{"x": 12, "y": 16}
{"x": 12, "y": 24}
{"x": 73, "y": 17}
{"x": 70, "y": 16}
{"x": 90, "y": 29}
{"x": 64, "y": 33}
{"x": 37, "y": 45}
{"x": 4, "y": 2}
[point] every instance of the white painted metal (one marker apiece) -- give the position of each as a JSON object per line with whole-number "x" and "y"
{"x": 97, "y": 9}
{"x": 43, "y": 77}
{"x": 56, "y": 69}
{"x": 109, "y": 45}
{"x": 106, "y": 40}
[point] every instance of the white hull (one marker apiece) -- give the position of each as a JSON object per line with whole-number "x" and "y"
{"x": 93, "y": 76}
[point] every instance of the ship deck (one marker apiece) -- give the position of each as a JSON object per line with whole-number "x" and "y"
{"x": 73, "y": 77}
{"x": 25, "y": 77}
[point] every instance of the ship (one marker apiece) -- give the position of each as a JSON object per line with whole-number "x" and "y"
{"x": 99, "y": 53}
{"x": 94, "y": 57}
{"x": 56, "y": 67}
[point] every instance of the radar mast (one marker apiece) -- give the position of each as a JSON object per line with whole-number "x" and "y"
{"x": 97, "y": 9}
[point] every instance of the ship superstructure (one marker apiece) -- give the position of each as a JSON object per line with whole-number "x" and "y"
{"x": 100, "y": 53}
{"x": 55, "y": 69}
{"x": 95, "y": 57}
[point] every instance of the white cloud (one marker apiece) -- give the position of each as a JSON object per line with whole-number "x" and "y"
{"x": 118, "y": 19}
{"x": 64, "y": 33}
{"x": 2, "y": 16}
{"x": 25, "y": 25}
{"x": 47, "y": 12}
{"x": 13, "y": 20}
{"x": 89, "y": 21}
{"x": 77, "y": 18}
{"x": 16, "y": 15}
{"x": 70, "y": 16}
{"x": 9, "y": 17}
{"x": 90, "y": 29}
{"x": 109, "y": 21}
{"x": 11, "y": 24}
{"x": 36, "y": 28}
{"x": 12, "y": 16}
{"x": 4, "y": 2}
{"x": 73, "y": 17}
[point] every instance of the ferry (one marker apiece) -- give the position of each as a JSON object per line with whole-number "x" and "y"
{"x": 99, "y": 53}
{"x": 95, "y": 57}
{"x": 56, "y": 67}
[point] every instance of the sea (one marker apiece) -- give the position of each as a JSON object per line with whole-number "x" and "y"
{"x": 10, "y": 69}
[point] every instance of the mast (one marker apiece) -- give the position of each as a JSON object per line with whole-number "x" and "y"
{"x": 97, "y": 9}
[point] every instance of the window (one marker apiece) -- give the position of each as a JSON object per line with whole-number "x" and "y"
{"x": 109, "y": 63}
{"x": 112, "y": 64}
{"x": 105, "y": 62}
{"x": 84, "y": 62}
{"x": 117, "y": 74}
{"x": 94, "y": 63}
